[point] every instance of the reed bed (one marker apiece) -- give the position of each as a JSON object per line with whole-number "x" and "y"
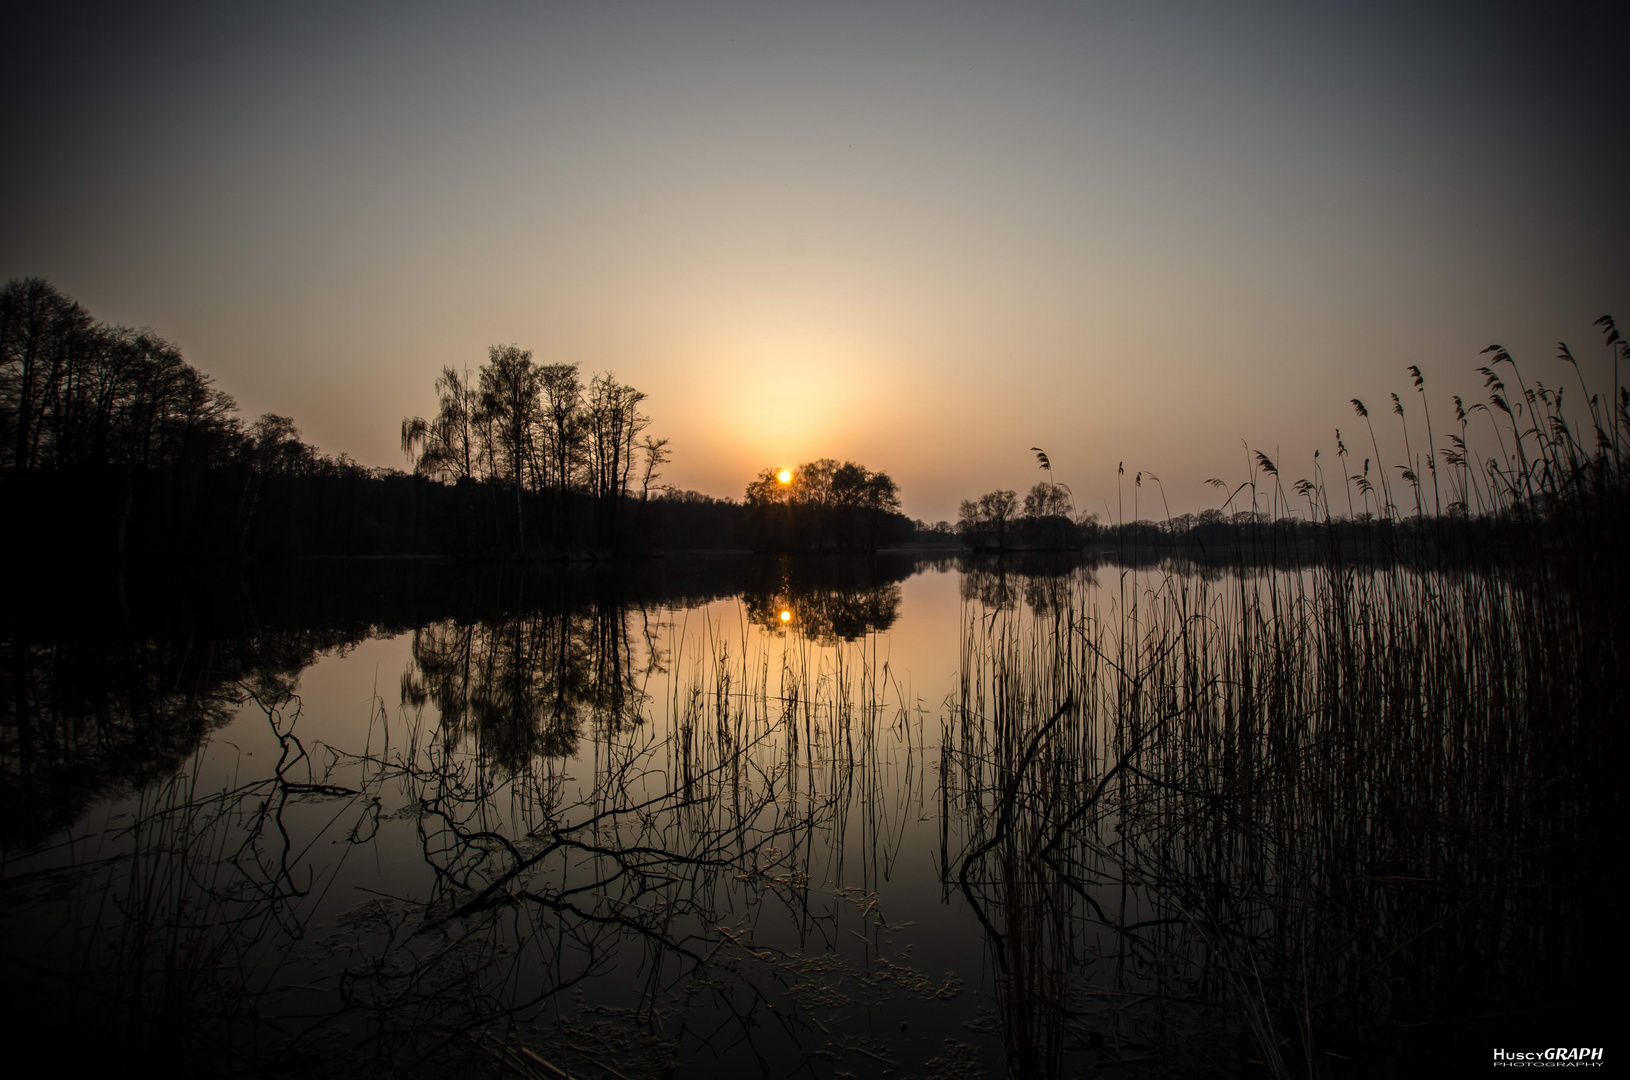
{"x": 1353, "y": 804}
{"x": 1340, "y": 816}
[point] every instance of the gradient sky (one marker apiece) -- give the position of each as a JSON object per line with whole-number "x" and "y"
{"x": 922, "y": 236}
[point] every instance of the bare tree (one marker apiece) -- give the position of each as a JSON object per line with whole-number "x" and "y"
{"x": 509, "y": 399}
{"x": 40, "y": 331}
{"x": 448, "y": 445}
{"x": 657, "y": 454}
{"x": 612, "y": 423}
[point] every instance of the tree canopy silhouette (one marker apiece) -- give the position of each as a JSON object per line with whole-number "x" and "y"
{"x": 824, "y": 504}
{"x": 551, "y": 442}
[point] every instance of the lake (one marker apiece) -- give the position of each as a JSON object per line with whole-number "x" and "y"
{"x": 899, "y": 816}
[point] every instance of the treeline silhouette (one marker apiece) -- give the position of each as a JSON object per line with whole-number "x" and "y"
{"x": 112, "y": 445}
{"x": 563, "y": 456}
{"x": 996, "y": 521}
{"x": 824, "y": 505}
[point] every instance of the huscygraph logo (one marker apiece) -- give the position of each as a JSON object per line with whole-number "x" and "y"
{"x": 1557, "y": 1057}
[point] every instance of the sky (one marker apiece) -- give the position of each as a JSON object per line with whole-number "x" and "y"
{"x": 924, "y": 237}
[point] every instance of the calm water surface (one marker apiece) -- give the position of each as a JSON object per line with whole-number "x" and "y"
{"x": 283, "y": 813}
{"x": 721, "y": 818}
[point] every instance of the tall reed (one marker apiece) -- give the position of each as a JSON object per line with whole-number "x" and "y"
{"x": 1316, "y": 808}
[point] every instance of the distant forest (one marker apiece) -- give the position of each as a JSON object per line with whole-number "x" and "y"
{"x": 112, "y": 445}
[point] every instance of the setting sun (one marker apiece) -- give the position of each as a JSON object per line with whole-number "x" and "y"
{"x": 786, "y": 616}
{"x": 785, "y": 476}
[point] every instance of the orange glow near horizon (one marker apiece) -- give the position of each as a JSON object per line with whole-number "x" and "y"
{"x": 786, "y": 616}
{"x": 923, "y": 243}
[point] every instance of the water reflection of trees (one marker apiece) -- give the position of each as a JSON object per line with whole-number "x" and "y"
{"x": 665, "y": 860}
{"x": 526, "y": 683}
{"x": 86, "y": 717}
{"x": 690, "y": 837}
{"x": 826, "y": 600}
{"x": 826, "y": 615}
{"x": 114, "y": 681}
{"x": 1042, "y": 580}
